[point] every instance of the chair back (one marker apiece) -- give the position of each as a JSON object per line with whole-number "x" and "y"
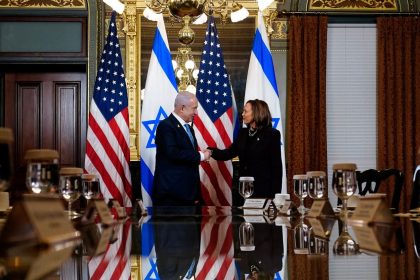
{"x": 415, "y": 196}
{"x": 369, "y": 181}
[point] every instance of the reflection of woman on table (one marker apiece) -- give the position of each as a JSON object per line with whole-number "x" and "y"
{"x": 258, "y": 148}
{"x": 267, "y": 258}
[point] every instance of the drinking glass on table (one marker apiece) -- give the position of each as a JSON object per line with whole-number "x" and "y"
{"x": 71, "y": 186}
{"x": 316, "y": 184}
{"x": 344, "y": 182}
{"x": 91, "y": 189}
{"x": 300, "y": 188}
{"x": 41, "y": 170}
{"x": 246, "y": 186}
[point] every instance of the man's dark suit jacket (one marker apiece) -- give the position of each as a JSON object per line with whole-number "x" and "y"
{"x": 259, "y": 157}
{"x": 177, "y": 180}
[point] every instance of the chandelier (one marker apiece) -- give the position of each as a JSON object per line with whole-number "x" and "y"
{"x": 196, "y": 12}
{"x": 185, "y": 69}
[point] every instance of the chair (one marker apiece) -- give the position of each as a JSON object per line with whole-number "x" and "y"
{"x": 370, "y": 180}
{"x": 415, "y": 196}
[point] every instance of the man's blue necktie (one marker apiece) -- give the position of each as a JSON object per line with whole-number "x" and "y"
{"x": 188, "y": 129}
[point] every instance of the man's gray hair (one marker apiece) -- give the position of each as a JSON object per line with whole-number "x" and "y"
{"x": 183, "y": 98}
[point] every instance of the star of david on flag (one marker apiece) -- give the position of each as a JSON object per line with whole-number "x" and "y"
{"x": 151, "y": 126}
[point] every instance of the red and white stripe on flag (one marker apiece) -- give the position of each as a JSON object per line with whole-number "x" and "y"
{"x": 107, "y": 144}
{"x": 216, "y": 249}
{"x": 115, "y": 263}
{"x": 214, "y": 122}
{"x": 215, "y": 176}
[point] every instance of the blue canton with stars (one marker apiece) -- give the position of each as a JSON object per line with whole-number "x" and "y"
{"x": 213, "y": 86}
{"x": 110, "y": 93}
{"x": 151, "y": 126}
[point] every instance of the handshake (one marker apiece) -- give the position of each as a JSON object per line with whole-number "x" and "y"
{"x": 207, "y": 154}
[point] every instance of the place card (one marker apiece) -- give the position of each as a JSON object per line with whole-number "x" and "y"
{"x": 257, "y": 206}
{"x": 96, "y": 238}
{"x": 37, "y": 220}
{"x": 120, "y": 211}
{"x": 256, "y": 203}
{"x": 254, "y": 219}
{"x": 97, "y": 207}
{"x": 4, "y": 201}
{"x": 374, "y": 238}
{"x": 48, "y": 261}
{"x": 371, "y": 209}
{"x": 321, "y": 207}
{"x": 322, "y": 227}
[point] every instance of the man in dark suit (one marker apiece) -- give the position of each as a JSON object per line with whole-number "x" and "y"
{"x": 177, "y": 180}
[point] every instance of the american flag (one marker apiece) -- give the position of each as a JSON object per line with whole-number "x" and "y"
{"x": 214, "y": 123}
{"x": 107, "y": 145}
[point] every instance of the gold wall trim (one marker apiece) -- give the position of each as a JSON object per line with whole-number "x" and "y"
{"x": 132, "y": 74}
{"x": 43, "y": 4}
{"x": 354, "y": 5}
{"x": 279, "y": 29}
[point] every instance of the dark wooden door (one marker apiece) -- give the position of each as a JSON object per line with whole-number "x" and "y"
{"x": 46, "y": 110}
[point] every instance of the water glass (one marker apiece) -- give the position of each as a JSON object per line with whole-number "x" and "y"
{"x": 344, "y": 182}
{"x": 246, "y": 237}
{"x": 300, "y": 188}
{"x": 91, "y": 186}
{"x": 345, "y": 244}
{"x": 246, "y": 186}
{"x": 71, "y": 185}
{"x": 316, "y": 181}
{"x": 41, "y": 170}
{"x": 301, "y": 238}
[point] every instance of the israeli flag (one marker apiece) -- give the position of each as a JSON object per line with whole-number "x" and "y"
{"x": 261, "y": 84}
{"x": 148, "y": 254}
{"x": 158, "y": 103}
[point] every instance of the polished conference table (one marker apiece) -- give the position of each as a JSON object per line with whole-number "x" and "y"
{"x": 222, "y": 243}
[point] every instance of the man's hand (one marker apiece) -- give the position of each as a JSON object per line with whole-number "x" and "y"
{"x": 207, "y": 154}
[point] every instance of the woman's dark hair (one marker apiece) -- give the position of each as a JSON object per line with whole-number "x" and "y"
{"x": 261, "y": 113}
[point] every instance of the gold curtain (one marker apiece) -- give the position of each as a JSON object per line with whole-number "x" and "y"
{"x": 399, "y": 119}
{"x": 306, "y": 101}
{"x": 399, "y": 97}
{"x": 306, "y": 121}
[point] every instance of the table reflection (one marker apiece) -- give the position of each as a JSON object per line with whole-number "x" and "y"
{"x": 207, "y": 243}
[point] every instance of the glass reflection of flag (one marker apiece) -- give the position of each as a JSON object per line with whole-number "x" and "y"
{"x": 148, "y": 253}
{"x": 115, "y": 262}
{"x": 216, "y": 248}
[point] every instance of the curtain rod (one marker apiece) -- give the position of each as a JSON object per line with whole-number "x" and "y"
{"x": 341, "y": 13}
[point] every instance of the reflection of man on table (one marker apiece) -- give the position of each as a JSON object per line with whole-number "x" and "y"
{"x": 177, "y": 180}
{"x": 177, "y": 244}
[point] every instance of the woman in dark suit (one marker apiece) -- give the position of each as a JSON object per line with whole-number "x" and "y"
{"x": 258, "y": 148}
